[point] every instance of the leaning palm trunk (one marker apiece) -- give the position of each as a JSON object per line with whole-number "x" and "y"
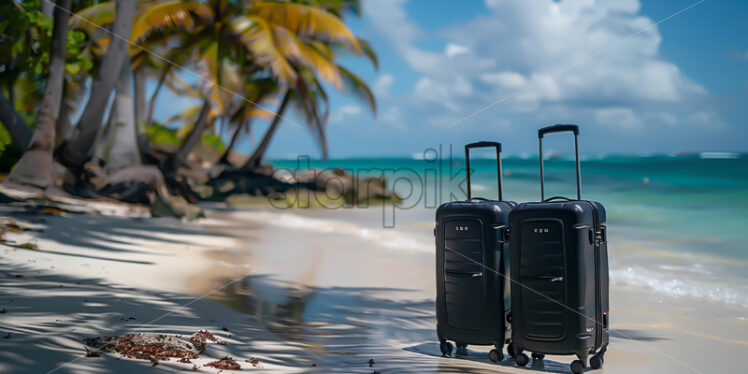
{"x": 225, "y": 157}
{"x": 176, "y": 160}
{"x": 35, "y": 166}
{"x": 259, "y": 153}
{"x": 154, "y": 96}
{"x": 139, "y": 79}
{"x": 75, "y": 153}
{"x": 122, "y": 143}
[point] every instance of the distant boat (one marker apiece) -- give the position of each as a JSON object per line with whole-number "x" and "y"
{"x": 553, "y": 155}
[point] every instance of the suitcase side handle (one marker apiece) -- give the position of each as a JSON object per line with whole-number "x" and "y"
{"x": 554, "y": 129}
{"x": 483, "y": 144}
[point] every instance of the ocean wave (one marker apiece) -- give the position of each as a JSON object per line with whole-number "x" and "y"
{"x": 688, "y": 285}
{"x": 390, "y": 239}
{"x": 709, "y": 155}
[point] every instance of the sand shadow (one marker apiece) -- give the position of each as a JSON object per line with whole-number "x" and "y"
{"x": 634, "y": 335}
{"x": 45, "y": 319}
{"x": 108, "y": 234}
{"x": 545, "y": 365}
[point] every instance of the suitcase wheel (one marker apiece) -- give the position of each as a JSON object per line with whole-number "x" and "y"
{"x": 577, "y": 367}
{"x": 522, "y": 359}
{"x": 495, "y": 355}
{"x": 446, "y": 348}
{"x": 461, "y": 349}
{"x": 596, "y": 361}
{"x": 538, "y": 356}
{"x": 510, "y": 349}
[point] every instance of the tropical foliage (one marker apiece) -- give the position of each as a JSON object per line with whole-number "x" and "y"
{"x": 240, "y": 57}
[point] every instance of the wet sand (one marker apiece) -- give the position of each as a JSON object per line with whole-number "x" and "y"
{"x": 295, "y": 294}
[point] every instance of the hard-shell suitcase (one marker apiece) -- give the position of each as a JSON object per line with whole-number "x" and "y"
{"x": 559, "y": 267}
{"x": 470, "y": 268}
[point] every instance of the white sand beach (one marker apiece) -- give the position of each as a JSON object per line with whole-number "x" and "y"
{"x": 301, "y": 291}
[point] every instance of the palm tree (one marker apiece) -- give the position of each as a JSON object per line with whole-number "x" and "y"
{"x": 75, "y": 152}
{"x": 122, "y": 145}
{"x": 35, "y": 166}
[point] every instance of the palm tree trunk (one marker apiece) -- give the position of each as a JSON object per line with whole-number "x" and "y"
{"x": 35, "y": 166}
{"x": 64, "y": 127}
{"x": 177, "y": 159}
{"x": 139, "y": 89}
{"x": 19, "y": 132}
{"x": 259, "y": 153}
{"x": 225, "y": 158}
{"x": 152, "y": 102}
{"x": 75, "y": 152}
{"x": 122, "y": 149}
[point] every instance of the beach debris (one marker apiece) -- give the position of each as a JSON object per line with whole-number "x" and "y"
{"x": 185, "y": 360}
{"x": 226, "y": 363}
{"x": 200, "y": 339}
{"x": 225, "y": 329}
{"x": 29, "y": 246}
{"x": 371, "y": 362}
{"x": 90, "y": 353}
{"x": 53, "y": 211}
{"x": 253, "y": 361}
{"x": 151, "y": 347}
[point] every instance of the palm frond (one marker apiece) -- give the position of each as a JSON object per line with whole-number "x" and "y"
{"x": 89, "y": 18}
{"x": 168, "y": 15}
{"x": 359, "y": 88}
{"x": 307, "y": 21}
{"x": 369, "y": 52}
{"x": 260, "y": 41}
{"x": 319, "y": 58}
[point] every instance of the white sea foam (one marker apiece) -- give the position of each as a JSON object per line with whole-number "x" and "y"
{"x": 718, "y": 155}
{"x": 678, "y": 284}
{"x": 667, "y": 279}
{"x": 387, "y": 238}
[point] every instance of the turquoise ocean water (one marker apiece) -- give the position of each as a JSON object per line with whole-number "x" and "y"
{"x": 678, "y": 224}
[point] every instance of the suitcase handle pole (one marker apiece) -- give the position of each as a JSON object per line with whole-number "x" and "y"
{"x": 470, "y": 146}
{"x": 554, "y": 129}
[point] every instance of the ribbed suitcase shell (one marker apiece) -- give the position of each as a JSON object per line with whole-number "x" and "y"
{"x": 470, "y": 297}
{"x": 560, "y": 277}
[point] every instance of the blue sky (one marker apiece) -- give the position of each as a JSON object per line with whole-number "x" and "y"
{"x": 634, "y": 87}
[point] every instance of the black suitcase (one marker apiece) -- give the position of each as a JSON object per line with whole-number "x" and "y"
{"x": 559, "y": 267}
{"x": 470, "y": 268}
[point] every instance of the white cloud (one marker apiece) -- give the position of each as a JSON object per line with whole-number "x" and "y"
{"x": 393, "y": 116}
{"x": 345, "y": 113}
{"x": 382, "y": 85}
{"x": 618, "y": 117}
{"x": 594, "y": 58}
{"x": 443, "y": 93}
{"x": 453, "y": 50}
{"x": 507, "y": 79}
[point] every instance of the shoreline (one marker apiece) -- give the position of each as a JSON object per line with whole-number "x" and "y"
{"x": 313, "y": 296}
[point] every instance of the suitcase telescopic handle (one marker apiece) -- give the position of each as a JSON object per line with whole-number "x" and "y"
{"x": 470, "y": 146}
{"x": 554, "y": 129}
